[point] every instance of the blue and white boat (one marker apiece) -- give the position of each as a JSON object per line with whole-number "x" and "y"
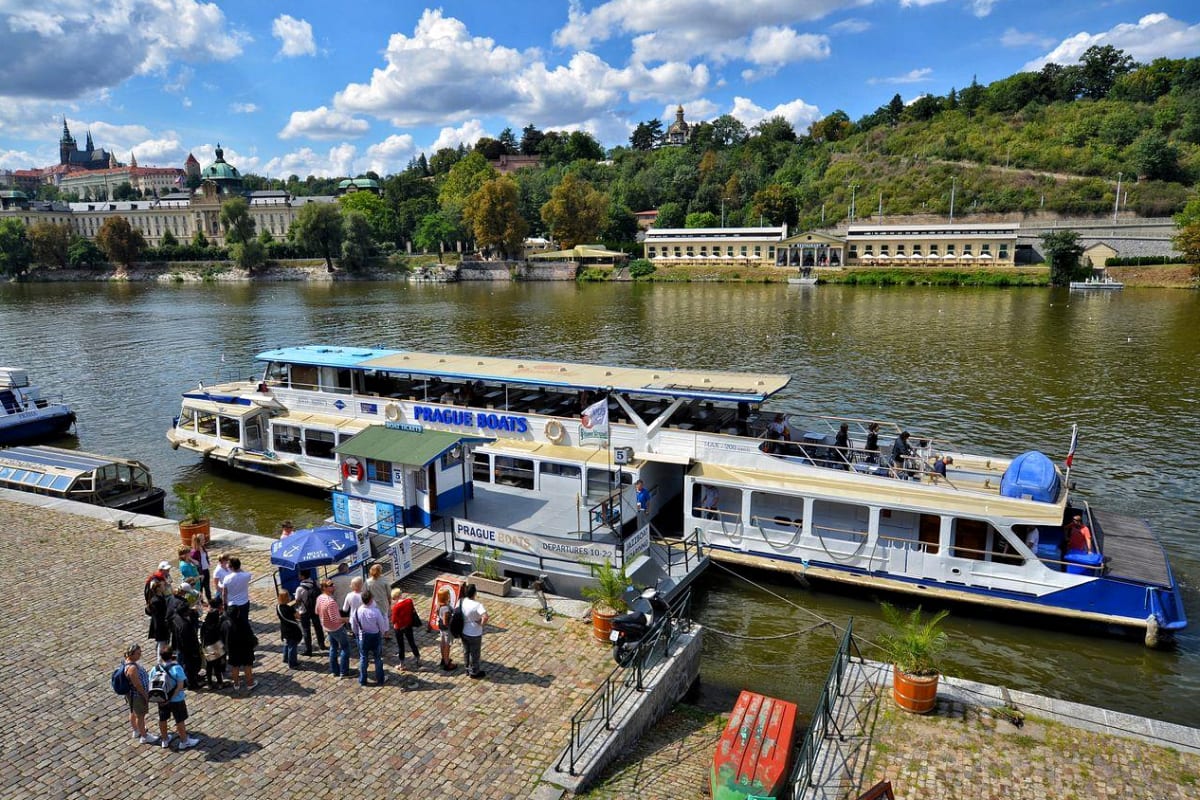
{"x": 25, "y": 414}
{"x": 749, "y": 485}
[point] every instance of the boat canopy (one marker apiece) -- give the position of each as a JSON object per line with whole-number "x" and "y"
{"x": 400, "y": 446}
{"x": 694, "y": 384}
{"x": 52, "y": 468}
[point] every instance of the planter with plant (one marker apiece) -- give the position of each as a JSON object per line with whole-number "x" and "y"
{"x": 193, "y": 505}
{"x": 487, "y": 577}
{"x": 607, "y": 596}
{"x": 913, "y": 647}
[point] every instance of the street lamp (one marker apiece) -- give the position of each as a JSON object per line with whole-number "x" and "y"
{"x": 1117, "y": 201}
{"x": 459, "y": 451}
{"x": 953, "y": 186}
{"x": 853, "y": 188}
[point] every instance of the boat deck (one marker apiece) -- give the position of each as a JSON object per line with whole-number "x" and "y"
{"x": 1134, "y": 550}
{"x": 519, "y": 509}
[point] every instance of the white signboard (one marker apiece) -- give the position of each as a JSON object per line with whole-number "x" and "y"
{"x": 401, "y": 553}
{"x": 637, "y": 543}
{"x": 542, "y": 546}
{"x": 362, "y": 512}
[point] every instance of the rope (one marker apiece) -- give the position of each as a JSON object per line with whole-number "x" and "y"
{"x": 731, "y": 635}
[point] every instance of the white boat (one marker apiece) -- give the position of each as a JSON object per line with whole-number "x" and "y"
{"x": 420, "y": 437}
{"x": 1097, "y": 283}
{"x": 25, "y": 414}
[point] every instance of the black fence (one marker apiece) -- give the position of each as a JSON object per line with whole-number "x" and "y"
{"x": 823, "y": 719}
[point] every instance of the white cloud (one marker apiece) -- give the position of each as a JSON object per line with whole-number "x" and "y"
{"x": 919, "y": 3}
{"x": 166, "y": 151}
{"x": 912, "y": 76}
{"x": 181, "y": 80}
{"x": 306, "y": 161}
{"x": 799, "y": 113}
{"x": 391, "y": 155}
{"x": 323, "y": 123}
{"x": 243, "y": 108}
{"x": 982, "y": 8}
{"x": 295, "y": 36}
{"x": 468, "y": 133}
{"x": 1015, "y": 38}
{"x": 19, "y": 159}
{"x": 851, "y": 25}
{"x": 1151, "y": 37}
{"x": 698, "y": 110}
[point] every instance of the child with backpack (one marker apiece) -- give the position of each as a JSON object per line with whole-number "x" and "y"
{"x": 167, "y": 683}
{"x": 132, "y": 682}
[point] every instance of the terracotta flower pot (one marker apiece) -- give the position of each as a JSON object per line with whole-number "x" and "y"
{"x": 602, "y": 623}
{"x": 914, "y": 693}
{"x": 188, "y": 530}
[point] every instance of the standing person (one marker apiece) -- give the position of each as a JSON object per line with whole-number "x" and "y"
{"x": 240, "y": 642}
{"x": 289, "y": 628}
{"x": 743, "y": 418}
{"x": 286, "y": 529}
{"x": 872, "y": 446}
{"x": 176, "y": 706}
{"x": 900, "y": 451}
{"x": 474, "y": 618}
{"x": 185, "y": 637}
{"x": 334, "y": 625}
{"x": 138, "y": 699}
{"x": 369, "y": 628}
{"x": 199, "y": 555}
{"x": 156, "y": 608}
{"x": 939, "y": 466}
{"x": 710, "y": 498}
{"x": 212, "y": 644}
{"x": 376, "y": 587}
{"x": 189, "y": 571}
{"x": 842, "y": 442}
{"x": 404, "y": 623}
{"x": 642, "y": 497}
{"x": 1079, "y": 536}
{"x": 221, "y": 571}
{"x": 444, "y": 612}
{"x": 235, "y": 590}
{"x": 306, "y": 602}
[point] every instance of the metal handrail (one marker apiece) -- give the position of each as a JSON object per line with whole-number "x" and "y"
{"x": 823, "y": 715}
{"x": 595, "y": 716}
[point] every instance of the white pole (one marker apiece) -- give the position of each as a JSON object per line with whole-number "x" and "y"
{"x": 953, "y": 185}
{"x": 1117, "y": 200}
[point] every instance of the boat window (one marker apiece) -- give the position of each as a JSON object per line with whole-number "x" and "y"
{"x": 276, "y": 374}
{"x": 381, "y": 472}
{"x": 318, "y": 444}
{"x": 334, "y": 379}
{"x": 451, "y": 458}
{"x": 973, "y": 539}
{"x": 228, "y": 429}
{"x": 187, "y": 419}
{"x": 206, "y": 423}
{"x": 303, "y": 376}
{"x": 601, "y": 482}
{"x": 908, "y": 529}
{"x": 561, "y": 477}
{"x": 481, "y": 468}
{"x": 845, "y": 521}
{"x": 514, "y": 471}
{"x": 286, "y": 438}
{"x": 565, "y": 470}
{"x": 772, "y": 511}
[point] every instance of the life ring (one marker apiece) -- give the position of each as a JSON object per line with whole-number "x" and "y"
{"x": 352, "y": 469}
{"x": 554, "y": 431}
{"x": 392, "y": 412}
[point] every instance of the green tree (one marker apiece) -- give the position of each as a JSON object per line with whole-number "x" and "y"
{"x": 531, "y": 140}
{"x": 509, "y": 140}
{"x": 463, "y": 180}
{"x": 575, "y": 212}
{"x": 443, "y": 160}
{"x": 15, "y": 250}
{"x": 380, "y": 216}
{"x": 318, "y": 227}
{"x": 647, "y": 135}
{"x": 1101, "y": 66}
{"x": 670, "y": 215}
{"x": 776, "y": 204}
{"x": 1187, "y": 242}
{"x": 120, "y": 241}
{"x": 895, "y": 109}
{"x": 168, "y": 240}
{"x": 833, "y": 128}
{"x": 124, "y": 191}
{"x": 489, "y": 147}
{"x": 728, "y": 131}
{"x": 50, "y": 242}
{"x": 1062, "y": 250}
{"x": 357, "y": 240}
{"x": 84, "y": 254}
{"x": 236, "y": 220}
{"x": 493, "y": 211}
{"x": 192, "y": 182}
{"x": 249, "y": 255}
{"x": 433, "y": 232}
{"x": 1154, "y": 157}
{"x": 701, "y": 219}
{"x": 199, "y": 240}
{"x": 775, "y": 129}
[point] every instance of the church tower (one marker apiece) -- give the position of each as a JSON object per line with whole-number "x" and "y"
{"x": 66, "y": 145}
{"x": 89, "y": 147}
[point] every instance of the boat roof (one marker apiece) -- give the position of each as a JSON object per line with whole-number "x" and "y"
{"x": 700, "y": 384}
{"x": 65, "y": 461}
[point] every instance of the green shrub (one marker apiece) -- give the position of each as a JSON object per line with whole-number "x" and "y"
{"x": 640, "y": 268}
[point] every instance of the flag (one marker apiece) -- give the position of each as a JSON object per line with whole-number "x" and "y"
{"x": 1074, "y": 443}
{"x": 593, "y": 422}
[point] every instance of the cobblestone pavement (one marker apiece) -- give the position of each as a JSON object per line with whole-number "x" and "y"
{"x": 72, "y": 600}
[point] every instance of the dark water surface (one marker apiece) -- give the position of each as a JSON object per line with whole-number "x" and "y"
{"x": 992, "y": 370}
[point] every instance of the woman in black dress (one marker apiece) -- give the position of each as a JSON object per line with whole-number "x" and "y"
{"x": 240, "y": 642}
{"x": 212, "y": 644}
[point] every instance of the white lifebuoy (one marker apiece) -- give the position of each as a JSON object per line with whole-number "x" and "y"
{"x": 554, "y": 431}
{"x": 352, "y": 469}
{"x": 392, "y": 412}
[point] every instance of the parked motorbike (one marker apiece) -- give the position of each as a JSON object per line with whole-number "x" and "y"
{"x": 630, "y": 628}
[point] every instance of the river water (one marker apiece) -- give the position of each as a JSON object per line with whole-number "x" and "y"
{"x": 993, "y": 370}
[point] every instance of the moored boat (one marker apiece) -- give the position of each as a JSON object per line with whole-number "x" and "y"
{"x": 838, "y": 499}
{"x": 1097, "y": 283}
{"x": 753, "y": 754}
{"x": 107, "y": 481}
{"x": 25, "y": 414}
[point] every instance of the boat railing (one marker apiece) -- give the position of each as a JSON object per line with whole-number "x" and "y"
{"x": 595, "y": 718}
{"x": 824, "y": 724}
{"x": 687, "y": 550}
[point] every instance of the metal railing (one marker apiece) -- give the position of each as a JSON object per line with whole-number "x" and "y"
{"x": 594, "y": 718}
{"x": 823, "y": 719}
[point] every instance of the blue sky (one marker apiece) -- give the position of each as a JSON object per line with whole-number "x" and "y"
{"x": 339, "y": 88}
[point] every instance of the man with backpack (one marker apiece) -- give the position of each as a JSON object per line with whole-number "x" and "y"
{"x": 167, "y": 683}
{"x": 306, "y": 600}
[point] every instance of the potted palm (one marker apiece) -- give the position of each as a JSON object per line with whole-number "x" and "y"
{"x": 487, "y": 575}
{"x": 913, "y": 647}
{"x": 607, "y": 596}
{"x": 193, "y": 505}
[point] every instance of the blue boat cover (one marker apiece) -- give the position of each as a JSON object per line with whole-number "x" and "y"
{"x": 1031, "y": 476}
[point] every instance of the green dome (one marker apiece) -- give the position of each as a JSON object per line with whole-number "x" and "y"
{"x": 354, "y": 184}
{"x": 220, "y": 171}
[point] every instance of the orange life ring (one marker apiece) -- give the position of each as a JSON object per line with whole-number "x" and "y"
{"x": 352, "y": 469}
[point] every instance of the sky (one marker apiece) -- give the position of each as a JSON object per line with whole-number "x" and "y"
{"x": 330, "y": 89}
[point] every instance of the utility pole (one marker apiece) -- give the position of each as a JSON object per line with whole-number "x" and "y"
{"x": 853, "y": 187}
{"x": 1117, "y": 201}
{"x": 953, "y": 186}
{"x": 722, "y": 212}
{"x": 881, "y": 206}
{"x": 822, "y": 215}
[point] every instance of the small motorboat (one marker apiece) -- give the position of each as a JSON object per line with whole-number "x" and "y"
{"x": 27, "y": 416}
{"x": 118, "y": 483}
{"x": 754, "y": 752}
{"x": 1098, "y": 283}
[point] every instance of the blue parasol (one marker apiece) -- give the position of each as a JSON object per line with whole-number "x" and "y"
{"x": 313, "y": 547}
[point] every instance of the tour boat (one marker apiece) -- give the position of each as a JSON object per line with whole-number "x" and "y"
{"x": 25, "y": 415}
{"x": 1095, "y": 283}
{"x": 752, "y": 756}
{"x": 749, "y": 484}
{"x": 106, "y": 481}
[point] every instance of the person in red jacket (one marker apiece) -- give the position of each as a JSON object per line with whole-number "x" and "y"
{"x": 404, "y": 622}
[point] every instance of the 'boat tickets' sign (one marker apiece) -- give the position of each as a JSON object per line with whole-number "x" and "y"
{"x": 542, "y": 546}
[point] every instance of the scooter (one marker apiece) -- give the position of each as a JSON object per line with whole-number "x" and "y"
{"x": 630, "y": 628}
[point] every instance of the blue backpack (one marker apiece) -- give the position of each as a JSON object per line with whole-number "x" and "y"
{"x": 120, "y": 681}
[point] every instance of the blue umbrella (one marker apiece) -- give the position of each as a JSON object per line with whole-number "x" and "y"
{"x": 313, "y": 547}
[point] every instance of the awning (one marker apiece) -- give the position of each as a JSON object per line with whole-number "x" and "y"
{"x": 415, "y": 448}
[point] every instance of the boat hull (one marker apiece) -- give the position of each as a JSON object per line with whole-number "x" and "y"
{"x": 39, "y": 428}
